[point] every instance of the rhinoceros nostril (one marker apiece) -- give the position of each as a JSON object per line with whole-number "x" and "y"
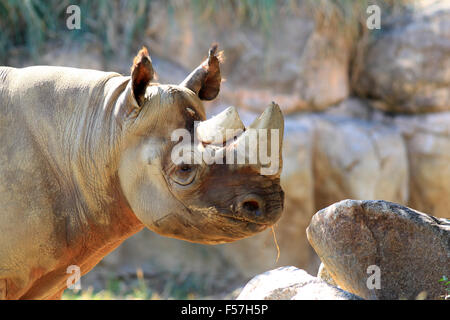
{"x": 253, "y": 207}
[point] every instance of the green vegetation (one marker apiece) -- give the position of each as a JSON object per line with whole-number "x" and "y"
{"x": 31, "y": 23}
{"x": 446, "y": 283}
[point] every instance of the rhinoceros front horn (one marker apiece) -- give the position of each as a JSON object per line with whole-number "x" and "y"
{"x": 271, "y": 118}
{"x": 205, "y": 79}
{"x": 267, "y": 131}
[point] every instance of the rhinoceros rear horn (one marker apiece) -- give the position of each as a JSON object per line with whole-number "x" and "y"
{"x": 205, "y": 79}
{"x": 141, "y": 74}
{"x": 215, "y": 129}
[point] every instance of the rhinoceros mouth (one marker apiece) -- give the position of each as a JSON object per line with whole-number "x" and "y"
{"x": 240, "y": 220}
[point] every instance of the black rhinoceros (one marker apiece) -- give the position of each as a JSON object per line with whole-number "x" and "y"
{"x": 85, "y": 162}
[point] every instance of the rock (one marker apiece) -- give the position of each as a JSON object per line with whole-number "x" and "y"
{"x": 356, "y": 108}
{"x": 303, "y": 77}
{"x": 407, "y": 66}
{"x": 290, "y": 283}
{"x": 355, "y": 238}
{"x": 324, "y": 275}
{"x": 323, "y": 79}
{"x": 427, "y": 140}
{"x": 358, "y": 159}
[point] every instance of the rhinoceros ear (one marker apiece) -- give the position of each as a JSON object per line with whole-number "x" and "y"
{"x": 141, "y": 74}
{"x": 205, "y": 79}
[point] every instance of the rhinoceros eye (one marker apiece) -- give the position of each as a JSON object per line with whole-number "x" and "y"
{"x": 184, "y": 174}
{"x": 185, "y": 168}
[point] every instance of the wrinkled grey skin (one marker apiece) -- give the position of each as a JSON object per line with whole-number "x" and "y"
{"x": 85, "y": 163}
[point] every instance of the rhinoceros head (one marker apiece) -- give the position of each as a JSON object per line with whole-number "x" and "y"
{"x": 195, "y": 179}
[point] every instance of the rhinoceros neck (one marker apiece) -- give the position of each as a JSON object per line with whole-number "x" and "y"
{"x": 104, "y": 216}
{"x": 96, "y": 145}
{"x": 94, "y": 156}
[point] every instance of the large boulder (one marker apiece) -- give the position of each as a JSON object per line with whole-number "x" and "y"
{"x": 407, "y": 66}
{"x": 324, "y": 275}
{"x": 407, "y": 250}
{"x": 290, "y": 283}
